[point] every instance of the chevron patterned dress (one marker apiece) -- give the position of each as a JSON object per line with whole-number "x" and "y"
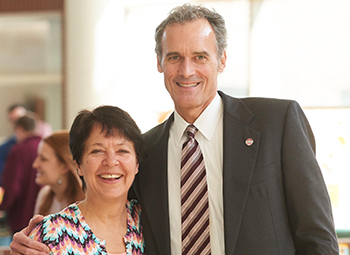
{"x": 67, "y": 232}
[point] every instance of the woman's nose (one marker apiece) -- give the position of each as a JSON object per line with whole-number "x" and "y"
{"x": 35, "y": 163}
{"x": 111, "y": 159}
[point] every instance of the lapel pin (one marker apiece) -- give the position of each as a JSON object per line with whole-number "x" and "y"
{"x": 249, "y": 142}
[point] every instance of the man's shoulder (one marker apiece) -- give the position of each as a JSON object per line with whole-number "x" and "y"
{"x": 8, "y": 143}
{"x": 255, "y": 101}
{"x": 26, "y": 145}
{"x": 155, "y": 133}
{"x": 257, "y": 105}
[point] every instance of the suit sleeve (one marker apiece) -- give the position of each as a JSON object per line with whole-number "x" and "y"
{"x": 308, "y": 203}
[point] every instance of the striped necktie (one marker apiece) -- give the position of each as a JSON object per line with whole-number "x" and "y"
{"x": 194, "y": 198}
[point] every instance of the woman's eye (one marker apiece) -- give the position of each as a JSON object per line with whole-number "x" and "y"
{"x": 96, "y": 151}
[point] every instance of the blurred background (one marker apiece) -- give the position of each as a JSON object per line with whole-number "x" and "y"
{"x": 60, "y": 56}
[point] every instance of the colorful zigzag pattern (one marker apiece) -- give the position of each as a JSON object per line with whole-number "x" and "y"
{"x": 67, "y": 232}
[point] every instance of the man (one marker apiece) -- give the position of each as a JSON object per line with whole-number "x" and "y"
{"x": 265, "y": 189}
{"x": 14, "y": 112}
{"x": 19, "y": 175}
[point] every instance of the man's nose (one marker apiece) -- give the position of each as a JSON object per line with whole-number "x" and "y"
{"x": 187, "y": 68}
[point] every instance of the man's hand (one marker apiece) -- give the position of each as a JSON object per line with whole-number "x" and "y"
{"x": 22, "y": 244}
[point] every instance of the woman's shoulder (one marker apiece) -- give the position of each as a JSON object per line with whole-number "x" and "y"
{"x": 41, "y": 197}
{"x": 134, "y": 204}
{"x": 134, "y": 209}
{"x": 134, "y": 238}
{"x": 52, "y": 226}
{"x": 65, "y": 232}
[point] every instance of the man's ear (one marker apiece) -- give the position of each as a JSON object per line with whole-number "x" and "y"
{"x": 159, "y": 65}
{"x": 222, "y": 63}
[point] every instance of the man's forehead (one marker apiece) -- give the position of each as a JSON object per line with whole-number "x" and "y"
{"x": 195, "y": 36}
{"x": 201, "y": 25}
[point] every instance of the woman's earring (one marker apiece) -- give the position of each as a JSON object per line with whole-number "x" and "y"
{"x": 59, "y": 181}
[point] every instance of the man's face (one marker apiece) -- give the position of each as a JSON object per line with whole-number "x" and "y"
{"x": 190, "y": 65}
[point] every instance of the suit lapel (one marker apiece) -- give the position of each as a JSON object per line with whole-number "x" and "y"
{"x": 154, "y": 179}
{"x": 238, "y": 165}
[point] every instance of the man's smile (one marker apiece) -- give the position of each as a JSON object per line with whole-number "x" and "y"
{"x": 187, "y": 85}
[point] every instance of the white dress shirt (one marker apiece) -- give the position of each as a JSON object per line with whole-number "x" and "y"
{"x": 210, "y": 139}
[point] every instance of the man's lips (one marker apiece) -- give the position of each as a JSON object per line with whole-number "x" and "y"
{"x": 187, "y": 85}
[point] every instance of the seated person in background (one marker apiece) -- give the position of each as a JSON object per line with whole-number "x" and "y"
{"x": 18, "y": 179}
{"x": 106, "y": 145}
{"x": 56, "y": 171}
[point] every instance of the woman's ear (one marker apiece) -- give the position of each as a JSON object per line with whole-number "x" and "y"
{"x": 80, "y": 172}
{"x": 137, "y": 168}
{"x": 64, "y": 168}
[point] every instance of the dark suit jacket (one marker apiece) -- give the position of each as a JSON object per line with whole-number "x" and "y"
{"x": 275, "y": 199}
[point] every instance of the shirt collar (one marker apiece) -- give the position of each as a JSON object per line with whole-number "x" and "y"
{"x": 212, "y": 114}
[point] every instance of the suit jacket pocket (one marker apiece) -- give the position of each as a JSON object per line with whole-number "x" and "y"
{"x": 263, "y": 173}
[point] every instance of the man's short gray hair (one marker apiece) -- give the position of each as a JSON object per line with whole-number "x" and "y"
{"x": 188, "y": 12}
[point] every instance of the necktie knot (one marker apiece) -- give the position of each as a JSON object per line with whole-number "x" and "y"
{"x": 191, "y": 131}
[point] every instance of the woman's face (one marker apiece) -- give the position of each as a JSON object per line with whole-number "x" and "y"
{"x": 49, "y": 168}
{"x": 108, "y": 165}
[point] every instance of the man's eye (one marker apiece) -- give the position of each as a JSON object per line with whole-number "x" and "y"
{"x": 174, "y": 58}
{"x": 200, "y": 57}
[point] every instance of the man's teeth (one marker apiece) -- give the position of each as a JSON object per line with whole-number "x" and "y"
{"x": 110, "y": 176}
{"x": 187, "y": 85}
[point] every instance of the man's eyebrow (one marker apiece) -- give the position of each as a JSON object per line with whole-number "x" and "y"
{"x": 201, "y": 53}
{"x": 194, "y": 53}
{"x": 172, "y": 54}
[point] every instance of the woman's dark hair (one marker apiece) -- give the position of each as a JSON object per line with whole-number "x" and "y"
{"x": 113, "y": 120}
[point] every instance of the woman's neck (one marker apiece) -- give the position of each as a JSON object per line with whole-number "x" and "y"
{"x": 108, "y": 223}
{"x": 108, "y": 213}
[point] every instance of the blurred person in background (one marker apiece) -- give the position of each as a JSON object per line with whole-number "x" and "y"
{"x": 14, "y": 112}
{"x": 18, "y": 179}
{"x": 56, "y": 172}
{"x": 43, "y": 128}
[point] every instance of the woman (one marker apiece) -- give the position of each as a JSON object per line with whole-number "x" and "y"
{"x": 56, "y": 170}
{"x": 106, "y": 145}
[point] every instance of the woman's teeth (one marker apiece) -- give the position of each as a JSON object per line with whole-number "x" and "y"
{"x": 110, "y": 176}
